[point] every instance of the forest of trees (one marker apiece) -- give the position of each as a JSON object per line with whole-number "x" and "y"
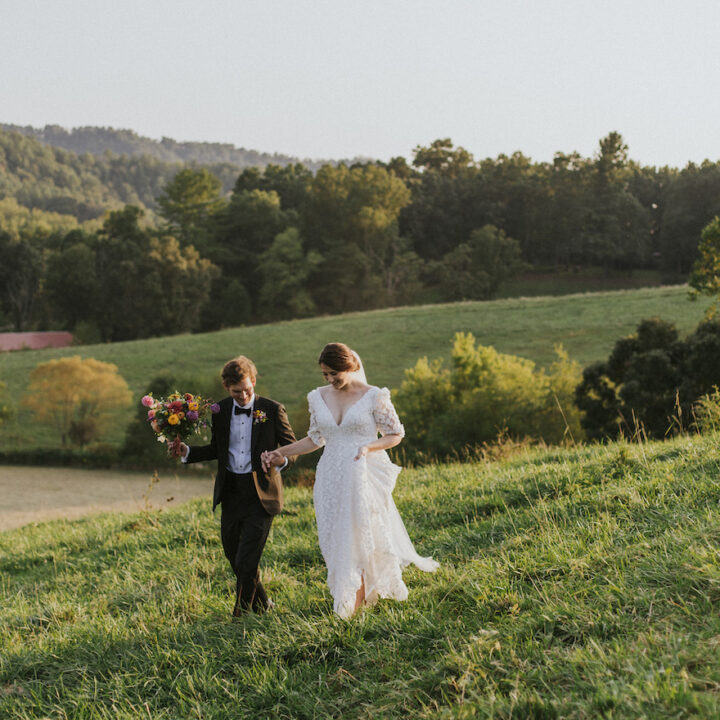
{"x": 115, "y": 247}
{"x": 99, "y": 140}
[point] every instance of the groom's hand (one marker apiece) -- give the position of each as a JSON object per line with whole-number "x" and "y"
{"x": 177, "y": 449}
{"x": 270, "y": 458}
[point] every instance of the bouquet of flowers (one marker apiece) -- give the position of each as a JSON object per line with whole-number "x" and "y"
{"x": 178, "y": 416}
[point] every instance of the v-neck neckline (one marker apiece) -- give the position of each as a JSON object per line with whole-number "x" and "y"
{"x": 347, "y": 410}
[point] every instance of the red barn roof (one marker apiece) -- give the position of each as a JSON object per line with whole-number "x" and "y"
{"x": 34, "y": 340}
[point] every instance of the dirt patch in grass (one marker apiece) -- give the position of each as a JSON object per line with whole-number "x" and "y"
{"x": 33, "y": 494}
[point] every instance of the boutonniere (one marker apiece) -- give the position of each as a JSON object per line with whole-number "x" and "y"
{"x": 259, "y": 417}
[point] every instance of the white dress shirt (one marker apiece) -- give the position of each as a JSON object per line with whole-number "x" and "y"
{"x": 239, "y": 442}
{"x": 239, "y": 448}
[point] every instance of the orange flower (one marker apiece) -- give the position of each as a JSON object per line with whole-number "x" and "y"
{"x": 173, "y": 419}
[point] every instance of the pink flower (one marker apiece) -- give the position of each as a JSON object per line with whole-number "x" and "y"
{"x": 151, "y": 414}
{"x": 148, "y": 401}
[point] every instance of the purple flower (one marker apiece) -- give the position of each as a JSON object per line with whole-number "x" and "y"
{"x": 191, "y": 415}
{"x": 214, "y": 408}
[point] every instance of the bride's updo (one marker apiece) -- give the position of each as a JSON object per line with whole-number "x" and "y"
{"x": 339, "y": 357}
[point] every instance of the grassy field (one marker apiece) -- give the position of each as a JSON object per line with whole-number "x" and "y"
{"x": 574, "y": 584}
{"x": 389, "y": 341}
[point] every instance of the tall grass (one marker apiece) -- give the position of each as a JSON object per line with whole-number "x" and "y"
{"x": 575, "y": 583}
{"x": 388, "y": 340}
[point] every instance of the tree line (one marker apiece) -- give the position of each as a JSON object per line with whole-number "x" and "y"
{"x": 99, "y": 140}
{"x": 289, "y": 242}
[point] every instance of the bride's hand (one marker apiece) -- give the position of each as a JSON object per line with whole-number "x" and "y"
{"x": 270, "y": 458}
{"x": 362, "y": 452}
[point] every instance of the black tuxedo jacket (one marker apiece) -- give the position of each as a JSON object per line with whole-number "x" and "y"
{"x": 267, "y": 434}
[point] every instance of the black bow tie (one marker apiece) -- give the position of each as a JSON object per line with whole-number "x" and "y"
{"x": 242, "y": 411}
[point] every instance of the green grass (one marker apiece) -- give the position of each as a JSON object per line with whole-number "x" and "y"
{"x": 389, "y": 341}
{"x": 574, "y": 584}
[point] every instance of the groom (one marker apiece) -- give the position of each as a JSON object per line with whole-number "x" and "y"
{"x": 245, "y": 427}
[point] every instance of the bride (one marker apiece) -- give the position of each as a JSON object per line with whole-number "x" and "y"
{"x": 362, "y": 537}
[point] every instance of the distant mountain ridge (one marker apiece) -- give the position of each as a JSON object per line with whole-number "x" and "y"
{"x": 78, "y": 175}
{"x": 99, "y": 140}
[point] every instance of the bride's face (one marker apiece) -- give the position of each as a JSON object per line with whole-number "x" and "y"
{"x": 337, "y": 378}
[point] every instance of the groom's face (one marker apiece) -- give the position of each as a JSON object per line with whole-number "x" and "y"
{"x": 242, "y": 391}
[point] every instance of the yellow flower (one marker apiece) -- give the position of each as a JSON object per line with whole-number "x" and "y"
{"x": 193, "y": 406}
{"x": 173, "y": 419}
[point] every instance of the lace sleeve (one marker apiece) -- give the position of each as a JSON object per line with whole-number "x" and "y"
{"x": 386, "y": 419}
{"x": 314, "y": 431}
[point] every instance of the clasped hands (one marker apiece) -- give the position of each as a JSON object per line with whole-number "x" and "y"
{"x": 275, "y": 457}
{"x": 270, "y": 458}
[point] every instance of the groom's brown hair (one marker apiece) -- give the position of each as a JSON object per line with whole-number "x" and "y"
{"x": 237, "y": 369}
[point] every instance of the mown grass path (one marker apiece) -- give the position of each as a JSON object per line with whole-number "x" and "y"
{"x": 574, "y": 584}
{"x": 388, "y": 340}
{"x": 36, "y": 494}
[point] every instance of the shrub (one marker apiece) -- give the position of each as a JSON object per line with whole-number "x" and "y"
{"x": 79, "y": 397}
{"x": 701, "y": 366}
{"x": 649, "y": 379}
{"x": 707, "y": 412}
{"x": 484, "y": 394}
{"x": 6, "y": 409}
{"x": 475, "y": 269}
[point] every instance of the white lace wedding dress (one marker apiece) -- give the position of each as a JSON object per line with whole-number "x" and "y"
{"x": 360, "y": 530}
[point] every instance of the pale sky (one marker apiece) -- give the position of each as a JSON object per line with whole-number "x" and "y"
{"x": 335, "y": 79}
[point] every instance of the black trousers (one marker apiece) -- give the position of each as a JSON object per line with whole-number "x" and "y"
{"x": 244, "y": 528}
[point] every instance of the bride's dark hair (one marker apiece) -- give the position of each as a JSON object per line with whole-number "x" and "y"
{"x": 339, "y": 357}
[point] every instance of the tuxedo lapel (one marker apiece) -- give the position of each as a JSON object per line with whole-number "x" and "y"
{"x": 255, "y": 434}
{"x": 226, "y": 408}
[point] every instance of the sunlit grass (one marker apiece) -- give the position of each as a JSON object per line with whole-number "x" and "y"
{"x": 575, "y": 583}
{"x": 388, "y": 341}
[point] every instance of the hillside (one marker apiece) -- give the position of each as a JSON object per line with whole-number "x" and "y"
{"x": 77, "y": 175}
{"x": 573, "y": 584}
{"x": 389, "y": 341}
{"x": 83, "y": 186}
{"x": 100, "y": 140}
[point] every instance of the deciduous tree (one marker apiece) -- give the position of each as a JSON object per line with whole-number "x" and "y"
{"x": 189, "y": 203}
{"x": 475, "y": 270}
{"x": 20, "y": 275}
{"x": 351, "y": 220}
{"x": 285, "y": 269}
{"x": 78, "y": 397}
{"x": 705, "y": 276}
